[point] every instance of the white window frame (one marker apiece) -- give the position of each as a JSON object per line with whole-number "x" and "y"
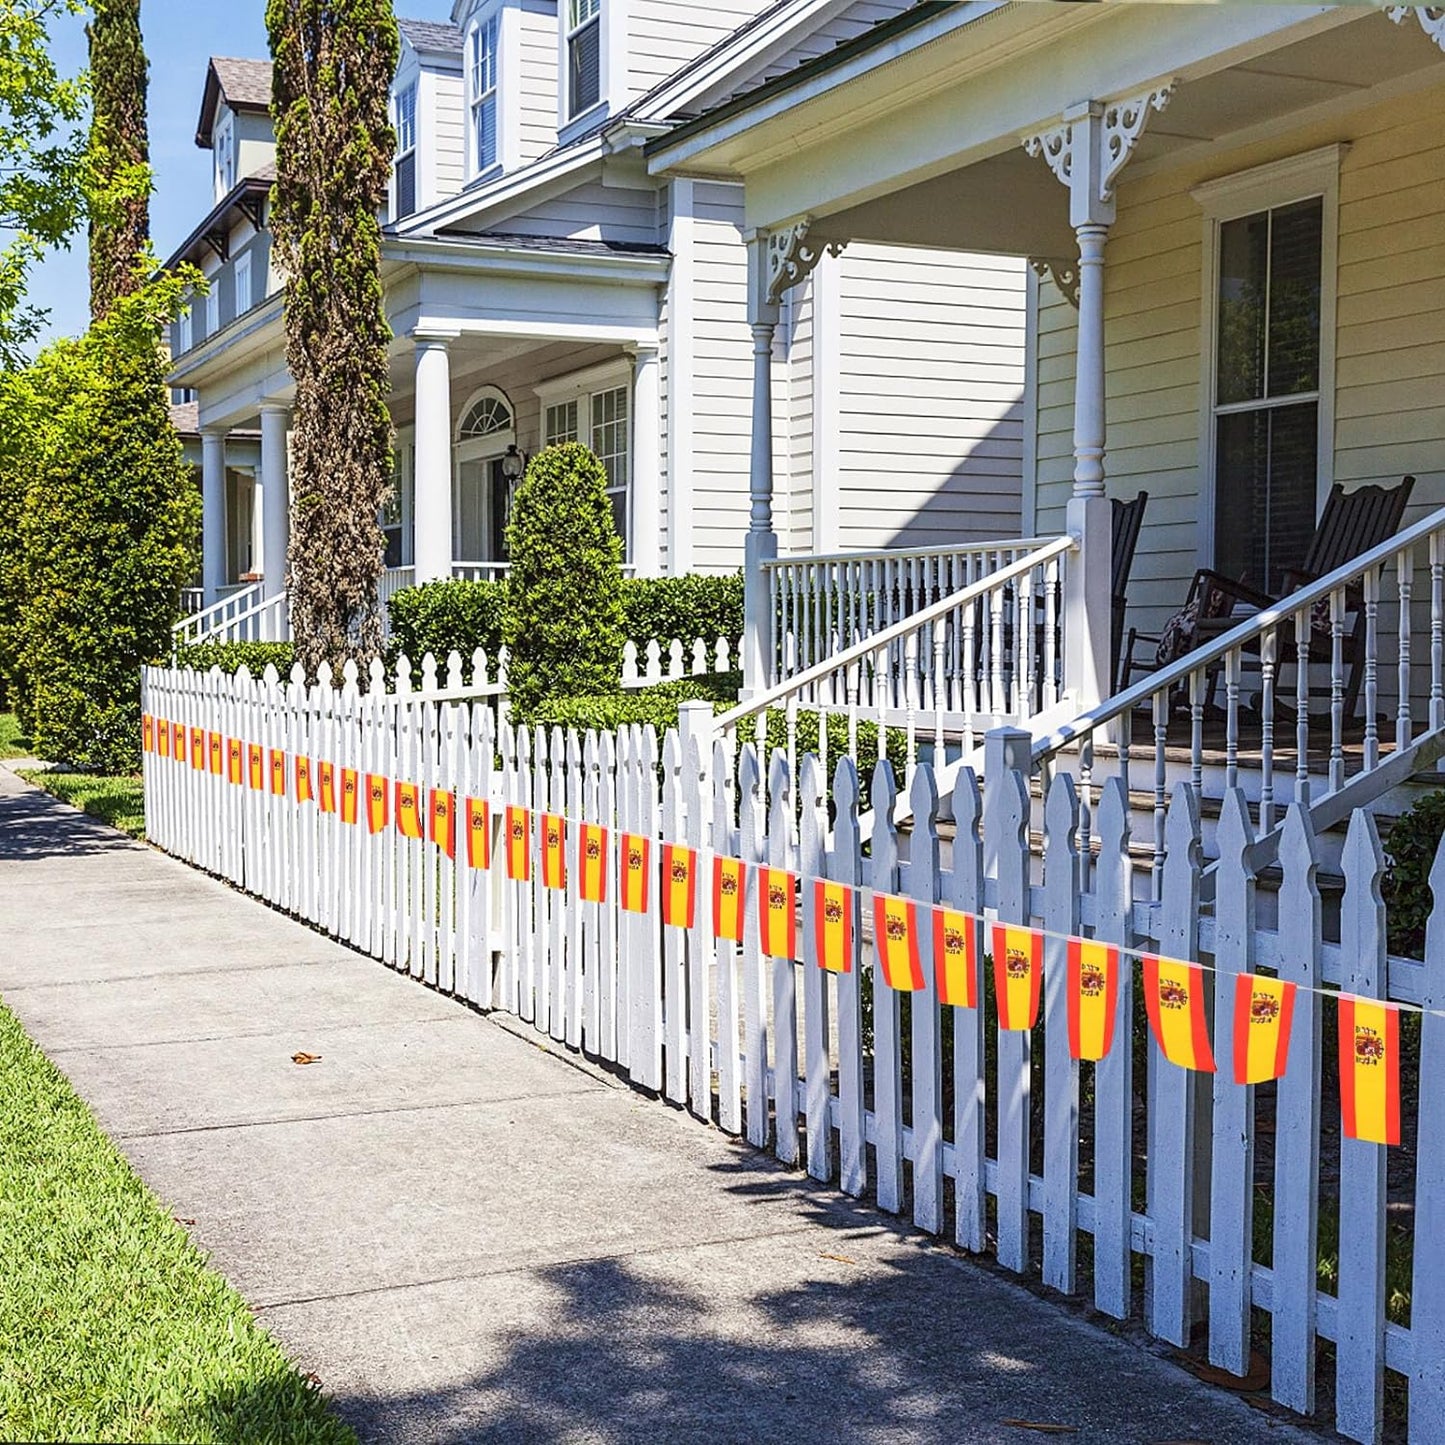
{"x": 243, "y": 269}
{"x": 1265, "y": 188}
{"x": 485, "y": 21}
{"x": 224, "y": 141}
{"x": 213, "y": 306}
{"x": 184, "y": 331}
{"x": 584, "y": 387}
{"x": 413, "y": 89}
{"x": 612, "y": 67}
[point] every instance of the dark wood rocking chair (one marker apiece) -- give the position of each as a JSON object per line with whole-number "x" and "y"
{"x": 1127, "y": 519}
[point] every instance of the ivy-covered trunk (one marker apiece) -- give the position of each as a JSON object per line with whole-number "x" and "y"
{"x": 334, "y": 61}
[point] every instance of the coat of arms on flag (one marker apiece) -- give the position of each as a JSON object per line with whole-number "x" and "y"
{"x": 1018, "y": 967}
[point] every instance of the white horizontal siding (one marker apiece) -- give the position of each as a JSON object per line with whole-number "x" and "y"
{"x": 449, "y": 129}
{"x": 536, "y": 78}
{"x": 664, "y": 35}
{"x": 592, "y": 212}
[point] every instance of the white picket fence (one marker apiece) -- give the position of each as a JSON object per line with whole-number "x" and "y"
{"x": 777, "y": 1049}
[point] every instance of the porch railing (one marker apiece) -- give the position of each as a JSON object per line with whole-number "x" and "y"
{"x": 1289, "y": 722}
{"x": 212, "y": 624}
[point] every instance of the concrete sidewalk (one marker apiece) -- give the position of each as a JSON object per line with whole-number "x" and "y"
{"x": 469, "y": 1236}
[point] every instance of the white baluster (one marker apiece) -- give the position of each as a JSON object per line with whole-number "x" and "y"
{"x": 1404, "y": 581}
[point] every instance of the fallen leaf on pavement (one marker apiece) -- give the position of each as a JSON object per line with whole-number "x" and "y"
{"x": 179, "y": 1220}
{"x": 1257, "y": 1377}
{"x": 305, "y": 1058}
{"x": 841, "y": 1258}
{"x": 1043, "y": 1427}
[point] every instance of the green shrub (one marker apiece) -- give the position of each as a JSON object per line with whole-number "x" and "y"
{"x": 232, "y": 656}
{"x": 442, "y": 617}
{"x": 108, "y": 532}
{"x": 1410, "y": 847}
{"x": 563, "y": 620}
{"x": 683, "y": 607}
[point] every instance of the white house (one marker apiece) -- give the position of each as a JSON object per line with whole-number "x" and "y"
{"x": 543, "y": 285}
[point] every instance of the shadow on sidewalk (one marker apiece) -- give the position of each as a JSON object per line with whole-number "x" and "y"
{"x": 35, "y": 826}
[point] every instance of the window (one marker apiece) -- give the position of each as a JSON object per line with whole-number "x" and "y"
{"x": 487, "y": 417}
{"x": 561, "y": 424}
{"x": 483, "y": 84}
{"x": 243, "y": 283}
{"x": 594, "y": 408}
{"x": 213, "y": 307}
{"x": 183, "y": 331}
{"x": 225, "y": 144}
{"x": 405, "y": 151}
{"x": 584, "y": 55}
{"x": 1267, "y": 386}
{"x": 610, "y": 437}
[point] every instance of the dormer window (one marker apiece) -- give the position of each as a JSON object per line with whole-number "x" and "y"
{"x": 584, "y": 55}
{"x": 225, "y": 144}
{"x": 483, "y": 86}
{"x": 406, "y": 151}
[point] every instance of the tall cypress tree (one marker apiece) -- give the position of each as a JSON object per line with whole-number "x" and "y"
{"x": 334, "y": 62}
{"x": 120, "y": 152}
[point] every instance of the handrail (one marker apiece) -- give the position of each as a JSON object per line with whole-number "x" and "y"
{"x": 241, "y": 597}
{"x": 901, "y": 554}
{"x": 870, "y": 646}
{"x": 1123, "y": 703}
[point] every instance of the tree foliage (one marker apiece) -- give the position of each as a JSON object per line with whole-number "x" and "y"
{"x": 119, "y": 152}
{"x": 107, "y": 530}
{"x": 334, "y": 61}
{"x": 563, "y": 620}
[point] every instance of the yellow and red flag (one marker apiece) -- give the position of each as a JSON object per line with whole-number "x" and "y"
{"x": 147, "y": 732}
{"x": 729, "y": 889}
{"x": 255, "y": 766}
{"x": 592, "y": 862}
{"x": 1174, "y": 1000}
{"x": 896, "y": 942}
{"x": 519, "y": 844}
{"x": 350, "y": 795}
{"x": 163, "y": 738}
{"x": 442, "y": 820}
{"x": 376, "y": 802}
{"x": 957, "y": 951}
{"x": 304, "y": 791}
{"x": 235, "y": 769}
{"x": 679, "y": 885}
{"x": 1018, "y": 971}
{"x": 408, "y": 810}
{"x": 1369, "y": 1070}
{"x": 479, "y": 833}
{"x": 554, "y": 850}
{"x": 777, "y": 916}
{"x": 198, "y": 749}
{"x": 635, "y": 852}
{"x": 1263, "y": 1013}
{"x": 1093, "y": 997}
{"x": 326, "y": 786}
{"x": 278, "y": 772}
{"x": 833, "y": 925}
{"x": 216, "y": 747}
{"x": 178, "y": 742}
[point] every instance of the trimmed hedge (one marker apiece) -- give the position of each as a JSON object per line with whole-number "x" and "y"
{"x": 1410, "y": 846}
{"x": 230, "y": 657}
{"x": 683, "y": 607}
{"x": 655, "y": 706}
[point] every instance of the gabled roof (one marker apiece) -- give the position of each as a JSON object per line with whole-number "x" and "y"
{"x": 432, "y": 36}
{"x": 244, "y": 85}
{"x": 247, "y": 198}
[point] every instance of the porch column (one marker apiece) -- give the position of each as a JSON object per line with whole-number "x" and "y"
{"x": 1086, "y": 153}
{"x": 275, "y": 499}
{"x": 646, "y": 461}
{"x": 761, "y": 543}
{"x": 432, "y": 486}
{"x": 213, "y": 513}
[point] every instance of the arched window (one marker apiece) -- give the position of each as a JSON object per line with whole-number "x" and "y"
{"x": 488, "y": 414}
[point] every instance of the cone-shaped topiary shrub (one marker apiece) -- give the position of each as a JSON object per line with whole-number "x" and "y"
{"x": 563, "y": 619}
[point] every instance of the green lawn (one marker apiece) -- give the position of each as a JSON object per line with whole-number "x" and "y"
{"x": 114, "y": 1328}
{"x": 13, "y": 742}
{"x": 117, "y": 801}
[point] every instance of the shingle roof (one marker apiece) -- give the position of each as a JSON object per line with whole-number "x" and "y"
{"x": 243, "y": 82}
{"x": 572, "y": 245}
{"x": 431, "y": 35}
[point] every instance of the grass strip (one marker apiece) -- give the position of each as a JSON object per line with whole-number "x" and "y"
{"x": 119, "y": 801}
{"x": 114, "y": 1327}
{"x": 13, "y": 742}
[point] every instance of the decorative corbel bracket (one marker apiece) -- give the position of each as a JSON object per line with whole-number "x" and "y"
{"x": 1431, "y": 18}
{"x": 1064, "y": 274}
{"x": 791, "y": 258}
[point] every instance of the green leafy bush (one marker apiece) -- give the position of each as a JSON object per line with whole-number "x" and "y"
{"x": 1410, "y": 846}
{"x": 442, "y": 617}
{"x": 683, "y": 607}
{"x": 232, "y": 656}
{"x": 109, "y": 527}
{"x": 563, "y": 620}
{"x": 646, "y": 707}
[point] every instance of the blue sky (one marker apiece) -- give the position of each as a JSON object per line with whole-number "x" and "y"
{"x": 180, "y": 35}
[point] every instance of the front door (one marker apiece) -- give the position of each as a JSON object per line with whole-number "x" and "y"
{"x": 483, "y": 504}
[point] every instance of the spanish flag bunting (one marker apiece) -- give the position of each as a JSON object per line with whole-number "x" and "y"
{"x": 635, "y": 852}
{"x": 1174, "y": 1000}
{"x": 216, "y": 745}
{"x": 408, "y": 810}
{"x": 729, "y": 889}
{"x": 957, "y": 950}
{"x": 178, "y": 742}
{"x": 326, "y": 786}
{"x": 442, "y": 820}
{"x": 1093, "y": 997}
{"x": 592, "y": 862}
{"x": 147, "y": 732}
{"x": 833, "y": 925}
{"x": 255, "y": 766}
{"x": 777, "y": 916}
{"x": 304, "y": 790}
{"x": 554, "y": 851}
{"x": 1018, "y": 970}
{"x": 235, "y": 770}
{"x": 519, "y": 844}
{"x": 198, "y": 749}
{"x": 479, "y": 833}
{"x": 376, "y": 802}
{"x": 896, "y": 942}
{"x": 163, "y": 738}
{"x": 278, "y": 772}
{"x": 1263, "y": 1012}
{"x": 679, "y": 885}
{"x": 350, "y": 795}
{"x": 1369, "y": 1070}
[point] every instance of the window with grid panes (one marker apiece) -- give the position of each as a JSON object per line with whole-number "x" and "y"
{"x": 610, "y": 438}
{"x": 560, "y": 424}
{"x": 584, "y": 55}
{"x": 484, "y": 94}
{"x": 406, "y": 151}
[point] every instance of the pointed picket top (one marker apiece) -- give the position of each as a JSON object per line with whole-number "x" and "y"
{"x": 1181, "y": 829}
{"x": 1362, "y": 910}
{"x": 671, "y": 755}
{"x": 1299, "y": 861}
{"x": 654, "y": 660}
{"x": 350, "y": 673}
{"x": 750, "y": 775}
{"x": 629, "y": 661}
{"x": 524, "y": 747}
{"x": 1235, "y": 832}
{"x": 428, "y": 673}
{"x": 606, "y": 752}
{"x": 699, "y": 657}
{"x": 455, "y": 678}
{"x": 1061, "y": 820}
{"x": 271, "y": 677}
{"x": 298, "y": 675}
{"x": 724, "y": 655}
{"x": 377, "y": 673}
{"x": 675, "y": 667}
{"x": 1113, "y": 871}
{"x": 403, "y": 672}
{"x": 810, "y": 784}
{"x": 923, "y": 798}
{"x": 324, "y": 675}
{"x": 648, "y": 745}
